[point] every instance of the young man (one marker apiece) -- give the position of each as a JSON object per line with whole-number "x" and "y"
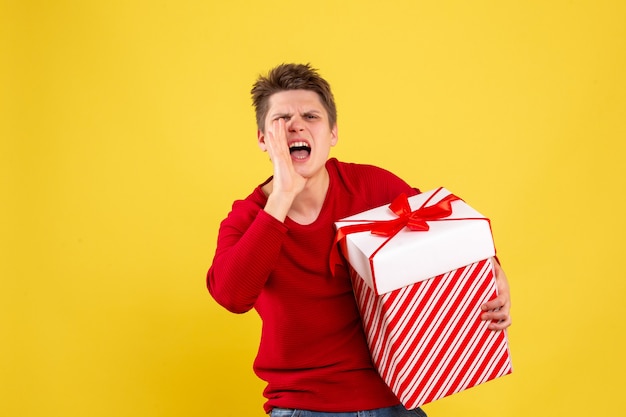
{"x": 273, "y": 255}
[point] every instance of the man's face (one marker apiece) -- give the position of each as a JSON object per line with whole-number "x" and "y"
{"x": 308, "y": 134}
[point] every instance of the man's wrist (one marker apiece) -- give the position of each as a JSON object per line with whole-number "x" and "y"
{"x": 278, "y": 205}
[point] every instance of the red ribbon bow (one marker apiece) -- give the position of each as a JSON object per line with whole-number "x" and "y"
{"x": 415, "y": 220}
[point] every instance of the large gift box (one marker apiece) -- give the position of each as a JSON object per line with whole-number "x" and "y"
{"x": 421, "y": 268}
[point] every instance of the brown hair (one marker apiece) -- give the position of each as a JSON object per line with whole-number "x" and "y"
{"x": 291, "y": 77}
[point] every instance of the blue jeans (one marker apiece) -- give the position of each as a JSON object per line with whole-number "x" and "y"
{"x": 396, "y": 411}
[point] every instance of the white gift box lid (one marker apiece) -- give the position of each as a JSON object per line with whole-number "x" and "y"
{"x": 413, "y": 256}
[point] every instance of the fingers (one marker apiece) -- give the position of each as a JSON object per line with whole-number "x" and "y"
{"x": 285, "y": 180}
{"x": 276, "y": 143}
{"x": 498, "y": 303}
{"x": 497, "y": 311}
{"x": 276, "y": 140}
{"x": 497, "y": 320}
{"x": 500, "y": 324}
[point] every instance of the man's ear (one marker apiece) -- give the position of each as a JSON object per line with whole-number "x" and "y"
{"x": 334, "y": 136}
{"x": 261, "y": 140}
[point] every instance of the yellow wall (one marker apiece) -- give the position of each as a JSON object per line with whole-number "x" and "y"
{"x": 127, "y": 131}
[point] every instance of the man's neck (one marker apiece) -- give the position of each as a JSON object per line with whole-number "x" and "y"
{"x": 308, "y": 204}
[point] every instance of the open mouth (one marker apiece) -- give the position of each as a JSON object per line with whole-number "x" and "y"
{"x": 299, "y": 150}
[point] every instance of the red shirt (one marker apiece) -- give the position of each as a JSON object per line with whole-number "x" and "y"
{"x": 313, "y": 353}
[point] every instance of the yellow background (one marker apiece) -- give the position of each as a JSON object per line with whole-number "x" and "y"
{"x": 127, "y": 131}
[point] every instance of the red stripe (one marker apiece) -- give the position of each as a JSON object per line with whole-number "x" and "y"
{"x": 427, "y": 339}
{"x": 442, "y": 287}
{"x": 457, "y": 344}
{"x": 430, "y": 289}
{"x": 479, "y": 370}
{"x": 454, "y": 344}
{"x": 437, "y": 340}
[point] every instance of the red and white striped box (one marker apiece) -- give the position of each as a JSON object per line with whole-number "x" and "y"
{"x": 427, "y": 339}
{"x": 422, "y": 321}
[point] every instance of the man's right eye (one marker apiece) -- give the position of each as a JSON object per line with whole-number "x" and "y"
{"x": 285, "y": 117}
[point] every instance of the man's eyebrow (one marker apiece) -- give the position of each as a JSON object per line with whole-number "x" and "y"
{"x": 280, "y": 114}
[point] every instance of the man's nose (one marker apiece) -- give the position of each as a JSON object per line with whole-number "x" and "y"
{"x": 295, "y": 124}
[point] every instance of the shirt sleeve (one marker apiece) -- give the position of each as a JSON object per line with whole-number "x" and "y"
{"x": 248, "y": 246}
